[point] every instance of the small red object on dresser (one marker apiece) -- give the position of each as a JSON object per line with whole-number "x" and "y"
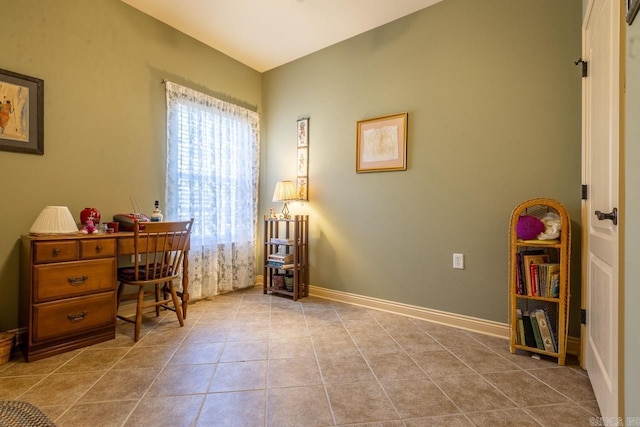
{"x": 92, "y": 214}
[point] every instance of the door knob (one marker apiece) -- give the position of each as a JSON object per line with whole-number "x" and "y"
{"x": 613, "y": 216}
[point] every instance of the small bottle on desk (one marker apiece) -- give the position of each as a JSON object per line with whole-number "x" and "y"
{"x": 157, "y": 214}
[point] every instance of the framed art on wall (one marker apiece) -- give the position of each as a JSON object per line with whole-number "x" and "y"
{"x": 301, "y": 185}
{"x": 21, "y": 113}
{"x": 302, "y": 159}
{"x": 381, "y": 144}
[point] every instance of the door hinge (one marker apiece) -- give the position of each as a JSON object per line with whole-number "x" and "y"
{"x": 585, "y": 66}
{"x": 583, "y": 316}
{"x": 584, "y": 192}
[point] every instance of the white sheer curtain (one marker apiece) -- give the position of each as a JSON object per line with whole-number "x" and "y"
{"x": 212, "y": 176}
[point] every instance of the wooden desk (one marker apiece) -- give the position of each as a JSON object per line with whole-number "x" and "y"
{"x": 68, "y": 290}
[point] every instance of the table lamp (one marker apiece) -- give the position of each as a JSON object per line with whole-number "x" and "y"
{"x": 285, "y": 191}
{"x": 54, "y": 220}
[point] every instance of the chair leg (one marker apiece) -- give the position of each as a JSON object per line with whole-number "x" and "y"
{"x": 139, "y": 308}
{"x": 176, "y": 303}
{"x": 157, "y": 292}
{"x": 119, "y": 295}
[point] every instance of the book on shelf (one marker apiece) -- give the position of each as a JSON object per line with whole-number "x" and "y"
{"x": 520, "y": 338}
{"x": 555, "y": 285}
{"x": 531, "y": 263}
{"x": 281, "y": 241}
{"x": 536, "y": 331}
{"x": 530, "y": 340}
{"x": 280, "y": 265}
{"x": 284, "y": 258}
{"x": 547, "y": 273}
{"x": 533, "y": 279}
{"x": 545, "y": 331}
{"x": 554, "y": 339}
{"x": 541, "y": 279}
{"x": 522, "y": 271}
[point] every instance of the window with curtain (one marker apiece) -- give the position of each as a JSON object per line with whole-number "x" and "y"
{"x": 212, "y": 176}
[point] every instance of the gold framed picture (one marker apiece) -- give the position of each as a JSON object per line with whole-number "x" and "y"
{"x": 381, "y": 144}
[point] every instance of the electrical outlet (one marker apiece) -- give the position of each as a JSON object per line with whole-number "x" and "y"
{"x": 458, "y": 261}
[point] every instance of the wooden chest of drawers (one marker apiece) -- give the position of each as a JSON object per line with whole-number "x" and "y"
{"x": 67, "y": 292}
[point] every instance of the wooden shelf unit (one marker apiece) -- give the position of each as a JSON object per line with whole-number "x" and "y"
{"x": 287, "y": 237}
{"x": 558, "y": 251}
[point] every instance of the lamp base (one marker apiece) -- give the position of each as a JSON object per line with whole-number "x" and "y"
{"x": 285, "y": 211}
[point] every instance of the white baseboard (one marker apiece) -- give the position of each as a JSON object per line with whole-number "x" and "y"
{"x": 460, "y": 321}
{"x": 474, "y": 324}
{"x": 573, "y": 346}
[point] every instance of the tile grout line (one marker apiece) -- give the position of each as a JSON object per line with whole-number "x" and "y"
{"x": 151, "y": 383}
{"x": 369, "y": 365}
{"x": 315, "y": 354}
{"x": 426, "y": 373}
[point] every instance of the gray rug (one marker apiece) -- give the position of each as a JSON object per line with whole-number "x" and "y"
{"x": 15, "y": 413}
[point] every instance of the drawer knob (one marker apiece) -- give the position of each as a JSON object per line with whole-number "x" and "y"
{"x": 76, "y": 317}
{"x": 56, "y": 252}
{"x": 75, "y": 281}
{"x": 99, "y": 248}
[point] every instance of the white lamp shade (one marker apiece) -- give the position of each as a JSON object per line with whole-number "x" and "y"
{"x": 285, "y": 190}
{"x": 54, "y": 220}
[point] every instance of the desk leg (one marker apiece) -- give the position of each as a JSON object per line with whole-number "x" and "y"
{"x": 185, "y": 284}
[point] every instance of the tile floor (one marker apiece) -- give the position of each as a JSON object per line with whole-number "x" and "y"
{"x": 248, "y": 359}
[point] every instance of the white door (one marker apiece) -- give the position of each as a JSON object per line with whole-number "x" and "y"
{"x": 601, "y": 132}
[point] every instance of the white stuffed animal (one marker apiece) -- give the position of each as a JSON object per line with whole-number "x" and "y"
{"x": 552, "y": 224}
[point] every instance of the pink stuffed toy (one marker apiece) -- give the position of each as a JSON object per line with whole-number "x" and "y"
{"x": 89, "y": 228}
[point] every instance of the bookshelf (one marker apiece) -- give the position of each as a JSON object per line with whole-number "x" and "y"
{"x": 286, "y": 256}
{"x": 539, "y": 280}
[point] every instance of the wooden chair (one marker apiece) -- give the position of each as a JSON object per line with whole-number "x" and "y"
{"x": 159, "y": 249}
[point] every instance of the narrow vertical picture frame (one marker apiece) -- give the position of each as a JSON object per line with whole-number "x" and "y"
{"x": 301, "y": 185}
{"x": 302, "y": 159}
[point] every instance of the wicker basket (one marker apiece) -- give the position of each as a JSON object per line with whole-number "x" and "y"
{"x": 6, "y": 345}
{"x": 278, "y": 281}
{"x": 288, "y": 283}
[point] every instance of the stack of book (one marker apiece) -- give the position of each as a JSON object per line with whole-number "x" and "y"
{"x": 278, "y": 260}
{"x": 537, "y": 276}
{"x": 535, "y": 330}
{"x": 281, "y": 241}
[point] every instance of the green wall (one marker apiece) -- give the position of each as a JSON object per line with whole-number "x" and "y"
{"x": 494, "y": 103}
{"x": 102, "y": 63}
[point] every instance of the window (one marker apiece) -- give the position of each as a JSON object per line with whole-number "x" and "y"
{"x": 212, "y": 176}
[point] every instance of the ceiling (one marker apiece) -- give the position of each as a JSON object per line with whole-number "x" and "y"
{"x": 265, "y": 34}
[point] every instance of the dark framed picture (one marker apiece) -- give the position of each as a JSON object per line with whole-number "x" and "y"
{"x": 632, "y": 10}
{"x": 21, "y": 113}
{"x": 381, "y": 144}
